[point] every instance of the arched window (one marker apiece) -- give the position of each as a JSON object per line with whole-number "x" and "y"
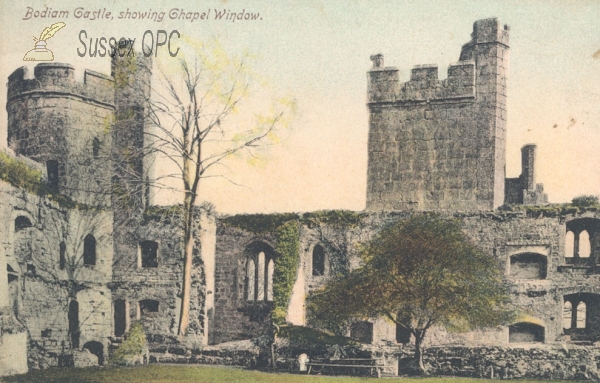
{"x": 89, "y": 250}
{"x": 584, "y": 245}
{"x": 21, "y": 223}
{"x": 260, "y": 266}
{"x": 120, "y": 317}
{"x": 97, "y": 349}
{"x": 62, "y": 260}
{"x": 260, "y": 280}
{"x": 250, "y": 278}
{"x": 318, "y": 261}
{"x": 270, "y": 270}
{"x": 567, "y": 315}
{"x": 570, "y": 244}
{"x": 581, "y": 315}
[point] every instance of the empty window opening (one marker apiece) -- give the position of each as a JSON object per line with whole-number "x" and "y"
{"x": 96, "y": 147}
{"x": 52, "y": 171}
{"x": 97, "y": 349}
{"x": 528, "y": 266}
{"x": 260, "y": 296}
{"x": 89, "y": 250}
{"x": 584, "y": 324}
{"x": 584, "y": 245}
{"x": 62, "y": 260}
{"x": 47, "y": 333}
{"x": 120, "y": 317}
{"x": 582, "y": 241}
{"x": 21, "y": 223}
{"x": 148, "y": 254}
{"x": 318, "y": 261}
{"x": 402, "y": 334}
{"x": 362, "y": 331}
{"x": 581, "y": 315}
{"x": 567, "y": 315}
{"x": 31, "y": 268}
{"x": 270, "y": 270}
{"x": 260, "y": 267}
{"x": 73, "y": 317}
{"x": 147, "y": 306}
{"x": 12, "y": 274}
{"x": 250, "y": 277}
{"x": 525, "y": 333}
{"x": 570, "y": 244}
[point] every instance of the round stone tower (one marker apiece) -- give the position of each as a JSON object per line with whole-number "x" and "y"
{"x": 65, "y": 125}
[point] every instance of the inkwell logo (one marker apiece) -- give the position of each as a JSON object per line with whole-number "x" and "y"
{"x": 40, "y": 52}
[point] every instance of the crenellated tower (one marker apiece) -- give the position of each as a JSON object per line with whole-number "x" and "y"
{"x": 64, "y": 125}
{"x": 131, "y": 146}
{"x": 440, "y": 145}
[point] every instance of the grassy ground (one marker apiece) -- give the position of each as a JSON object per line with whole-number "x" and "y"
{"x": 195, "y": 374}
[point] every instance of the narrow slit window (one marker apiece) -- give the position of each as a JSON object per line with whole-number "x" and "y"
{"x": 567, "y": 315}
{"x": 318, "y": 261}
{"x": 251, "y": 275}
{"x": 570, "y": 244}
{"x": 581, "y": 315}
{"x": 52, "y": 170}
{"x": 584, "y": 245}
{"x": 89, "y": 250}
{"x": 62, "y": 261}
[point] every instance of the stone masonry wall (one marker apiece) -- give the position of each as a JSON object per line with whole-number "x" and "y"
{"x": 440, "y": 144}
{"x": 504, "y": 235}
{"x": 41, "y": 287}
{"x": 54, "y": 117}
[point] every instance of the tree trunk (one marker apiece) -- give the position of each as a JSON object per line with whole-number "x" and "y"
{"x": 419, "y": 366}
{"x": 187, "y": 266}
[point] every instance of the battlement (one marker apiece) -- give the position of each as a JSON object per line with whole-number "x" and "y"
{"x": 439, "y": 144}
{"x": 484, "y": 32}
{"x": 59, "y": 78}
{"x": 384, "y": 85}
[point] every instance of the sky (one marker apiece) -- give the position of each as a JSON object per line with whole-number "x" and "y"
{"x": 318, "y": 52}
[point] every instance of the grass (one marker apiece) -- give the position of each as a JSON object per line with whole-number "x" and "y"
{"x": 195, "y": 374}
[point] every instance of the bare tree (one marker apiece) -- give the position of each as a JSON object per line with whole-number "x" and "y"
{"x": 197, "y": 120}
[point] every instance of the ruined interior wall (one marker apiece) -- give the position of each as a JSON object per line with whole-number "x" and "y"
{"x": 235, "y": 317}
{"x": 39, "y": 289}
{"x": 133, "y": 283}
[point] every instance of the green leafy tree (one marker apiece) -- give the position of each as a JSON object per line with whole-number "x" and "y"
{"x": 585, "y": 200}
{"x": 418, "y": 273}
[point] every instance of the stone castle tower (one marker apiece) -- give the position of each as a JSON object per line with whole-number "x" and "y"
{"x": 65, "y": 125}
{"x": 439, "y": 145}
{"x": 90, "y": 135}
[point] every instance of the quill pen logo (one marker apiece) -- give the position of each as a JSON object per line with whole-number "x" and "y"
{"x": 40, "y": 52}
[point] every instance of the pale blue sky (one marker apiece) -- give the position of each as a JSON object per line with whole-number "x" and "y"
{"x": 319, "y": 52}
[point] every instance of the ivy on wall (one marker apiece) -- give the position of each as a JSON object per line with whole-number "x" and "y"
{"x": 285, "y": 229}
{"x": 286, "y": 268}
